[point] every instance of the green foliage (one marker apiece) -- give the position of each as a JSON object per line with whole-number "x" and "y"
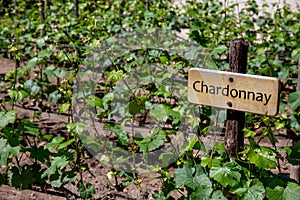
{"x": 290, "y": 192}
{"x": 153, "y": 141}
{"x": 7, "y": 118}
{"x": 226, "y": 174}
{"x": 253, "y": 189}
{"x": 86, "y": 190}
{"x": 294, "y": 100}
{"x": 293, "y": 153}
{"x": 49, "y": 54}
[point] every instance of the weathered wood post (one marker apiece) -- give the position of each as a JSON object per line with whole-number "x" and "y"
{"x": 234, "y": 138}
{"x": 76, "y": 12}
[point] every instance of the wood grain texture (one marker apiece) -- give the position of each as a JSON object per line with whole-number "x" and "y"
{"x": 234, "y": 137}
{"x": 243, "y": 92}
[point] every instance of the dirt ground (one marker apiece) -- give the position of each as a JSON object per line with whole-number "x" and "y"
{"x": 53, "y": 123}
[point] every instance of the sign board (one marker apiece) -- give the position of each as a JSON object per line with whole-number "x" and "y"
{"x": 243, "y": 92}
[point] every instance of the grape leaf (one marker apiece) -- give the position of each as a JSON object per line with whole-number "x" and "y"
{"x": 192, "y": 177}
{"x": 32, "y": 62}
{"x": 292, "y": 191}
{"x": 220, "y": 49}
{"x": 22, "y": 178}
{"x": 295, "y": 122}
{"x": 252, "y": 190}
{"x": 4, "y": 152}
{"x": 54, "y": 96}
{"x": 226, "y": 174}
{"x": 262, "y": 157}
{"x": 201, "y": 193}
{"x": 57, "y": 164}
{"x": 7, "y": 118}
{"x": 159, "y": 112}
{"x": 54, "y": 143}
{"x": 218, "y": 195}
{"x": 135, "y": 107}
{"x": 122, "y": 135}
{"x": 293, "y": 154}
{"x": 276, "y": 193}
{"x": 152, "y": 141}
{"x": 86, "y": 190}
{"x": 31, "y": 128}
{"x": 94, "y": 101}
{"x": 294, "y": 100}
{"x": 183, "y": 175}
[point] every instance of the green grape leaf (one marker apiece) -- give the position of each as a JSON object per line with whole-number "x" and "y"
{"x": 60, "y": 72}
{"x": 294, "y": 100}
{"x": 205, "y": 160}
{"x": 54, "y": 142}
{"x": 262, "y": 157}
{"x": 57, "y": 164}
{"x": 293, "y": 154}
{"x": 159, "y": 112}
{"x": 201, "y": 193}
{"x": 184, "y": 175}
{"x": 4, "y": 152}
{"x": 54, "y": 97}
{"x": 135, "y": 107}
{"x": 152, "y": 141}
{"x": 31, "y": 128}
{"x": 18, "y": 95}
{"x": 220, "y": 49}
{"x": 227, "y": 174}
{"x": 252, "y": 190}
{"x": 192, "y": 177}
{"x": 295, "y": 122}
{"x": 292, "y": 191}
{"x": 163, "y": 91}
{"x": 218, "y": 195}
{"x": 49, "y": 71}
{"x": 276, "y": 193}
{"x": 64, "y": 107}
{"x": 31, "y": 87}
{"x": 32, "y": 62}
{"x": 40, "y": 153}
{"x": 55, "y": 180}
{"x": 167, "y": 158}
{"x": 7, "y": 118}
{"x": 22, "y": 179}
{"x": 248, "y": 133}
{"x": 69, "y": 176}
{"x": 44, "y": 53}
{"x": 86, "y": 190}
{"x": 14, "y": 150}
{"x": 94, "y": 101}
{"x": 201, "y": 178}
{"x": 122, "y": 135}
{"x": 65, "y": 144}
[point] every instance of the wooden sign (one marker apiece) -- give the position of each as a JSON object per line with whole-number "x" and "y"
{"x": 243, "y": 92}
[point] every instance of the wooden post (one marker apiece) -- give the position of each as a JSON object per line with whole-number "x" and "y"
{"x": 234, "y": 137}
{"x": 76, "y": 12}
